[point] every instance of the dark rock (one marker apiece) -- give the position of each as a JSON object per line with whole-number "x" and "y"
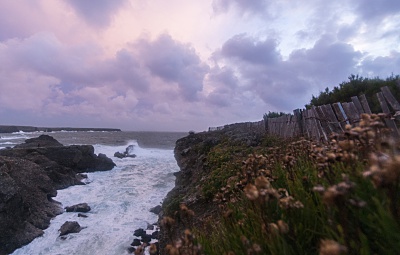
{"x": 82, "y": 207}
{"x": 146, "y": 238}
{"x": 155, "y": 234}
{"x": 126, "y": 154}
{"x": 82, "y": 215}
{"x": 156, "y": 210}
{"x": 150, "y": 227}
{"x": 70, "y": 227}
{"x": 139, "y": 232}
{"x": 79, "y": 158}
{"x": 26, "y": 206}
{"x": 119, "y": 155}
{"x": 136, "y": 242}
{"x": 41, "y": 141}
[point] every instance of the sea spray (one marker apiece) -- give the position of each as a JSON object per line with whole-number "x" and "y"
{"x": 120, "y": 200}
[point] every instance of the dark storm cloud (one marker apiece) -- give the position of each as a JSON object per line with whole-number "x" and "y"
{"x": 97, "y": 13}
{"x": 174, "y": 62}
{"x": 244, "y": 6}
{"x": 284, "y": 83}
{"x": 250, "y": 50}
{"x": 377, "y": 10}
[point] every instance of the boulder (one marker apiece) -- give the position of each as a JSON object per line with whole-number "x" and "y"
{"x": 136, "y": 242}
{"x": 139, "y": 232}
{"x": 70, "y": 227}
{"x": 146, "y": 238}
{"x": 82, "y": 207}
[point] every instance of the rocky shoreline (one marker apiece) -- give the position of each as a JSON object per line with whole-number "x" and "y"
{"x": 30, "y": 175}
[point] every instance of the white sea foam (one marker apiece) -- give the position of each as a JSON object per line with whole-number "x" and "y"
{"x": 120, "y": 200}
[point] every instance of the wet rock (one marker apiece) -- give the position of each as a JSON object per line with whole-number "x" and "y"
{"x": 150, "y": 227}
{"x": 139, "y": 232}
{"x": 157, "y": 209}
{"x": 82, "y": 215}
{"x": 126, "y": 154}
{"x": 82, "y": 207}
{"x": 155, "y": 234}
{"x": 136, "y": 242}
{"x": 146, "y": 238}
{"x": 70, "y": 227}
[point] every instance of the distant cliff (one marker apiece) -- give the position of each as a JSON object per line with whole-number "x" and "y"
{"x": 12, "y": 129}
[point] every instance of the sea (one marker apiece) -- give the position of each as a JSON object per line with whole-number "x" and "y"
{"x": 120, "y": 199}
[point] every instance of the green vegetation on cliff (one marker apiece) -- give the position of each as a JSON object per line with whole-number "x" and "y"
{"x": 356, "y": 86}
{"x": 247, "y": 194}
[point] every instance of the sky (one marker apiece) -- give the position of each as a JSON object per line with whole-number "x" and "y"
{"x": 179, "y": 65}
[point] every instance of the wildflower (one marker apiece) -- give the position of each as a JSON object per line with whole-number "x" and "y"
{"x": 330, "y": 247}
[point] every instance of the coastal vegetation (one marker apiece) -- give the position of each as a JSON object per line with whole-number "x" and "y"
{"x": 296, "y": 197}
{"x": 355, "y": 86}
{"x": 246, "y": 193}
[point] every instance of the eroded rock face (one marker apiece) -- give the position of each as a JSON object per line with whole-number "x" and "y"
{"x": 26, "y": 206}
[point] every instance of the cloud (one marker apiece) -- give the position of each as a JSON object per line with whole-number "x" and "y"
{"x": 173, "y": 62}
{"x": 244, "y": 6}
{"x": 382, "y": 65}
{"x": 97, "y": 13}
{"x": 247, "y": 49}
{"x": 377, "y": 10}
{"x": 286, "y": 84}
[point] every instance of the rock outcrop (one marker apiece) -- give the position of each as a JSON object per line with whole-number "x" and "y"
{"x": 30, "y": 175}
{"x": 26, "y": 204}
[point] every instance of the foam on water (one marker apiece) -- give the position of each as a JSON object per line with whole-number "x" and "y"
{"x": 120, "y": 200}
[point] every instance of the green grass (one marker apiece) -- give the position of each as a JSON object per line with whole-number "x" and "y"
{"x": 355, "y": 213}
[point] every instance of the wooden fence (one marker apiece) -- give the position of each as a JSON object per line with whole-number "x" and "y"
{"x": 319, "y": 122}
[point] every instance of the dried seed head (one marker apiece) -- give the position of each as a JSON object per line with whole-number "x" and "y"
{"x": 283, "y": 227}
{"x": 330, "y": 247}
{"x": 153, "y": 249}
{"x": 262, "y": 183}
{"x": 251, "y": 192}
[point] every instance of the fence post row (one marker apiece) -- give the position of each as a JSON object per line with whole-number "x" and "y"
{"x": 319, "y": 122}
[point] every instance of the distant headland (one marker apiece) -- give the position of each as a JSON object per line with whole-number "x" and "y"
{"x": 13, "y": 129}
